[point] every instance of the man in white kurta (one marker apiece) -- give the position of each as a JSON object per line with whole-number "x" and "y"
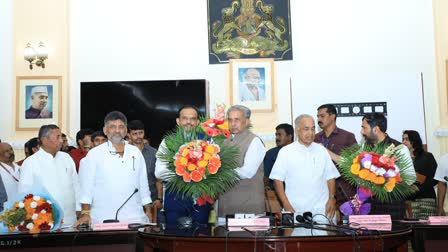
{"x": 107, "y": 180}
{"x": 110, "y": 174}
{"x": 54, "y": 171}
{"x": 10, "y": 173}
{"x": 308, "y": 173}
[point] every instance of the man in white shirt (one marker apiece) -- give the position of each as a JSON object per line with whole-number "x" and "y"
{"x": 110, "y": 174}
{"x": 248, "y": 195}
{"x": 53, "y": 170}
{"x": 9, "y": 171}
{"x": 308, "y": 173}
{"x": 442, "y": 177}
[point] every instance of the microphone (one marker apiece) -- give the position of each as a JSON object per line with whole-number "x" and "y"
{"x": 445, "y": 178}
{"x": 116, "y": 214}
{"x": 307, "y": 220}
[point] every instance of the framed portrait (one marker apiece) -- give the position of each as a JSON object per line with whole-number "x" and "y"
{"x": 38, "y": 101}
{"x": 252, "y": 83}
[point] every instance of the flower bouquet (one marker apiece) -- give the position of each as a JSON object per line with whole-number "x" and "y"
{"x": 378, "y": 170}
{"x": 200, "y": 166}
{"x": 32, "y": 213}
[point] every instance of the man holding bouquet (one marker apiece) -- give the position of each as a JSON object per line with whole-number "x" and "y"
{"x": 373, "y": 129}
{"x": 177, "y": 206}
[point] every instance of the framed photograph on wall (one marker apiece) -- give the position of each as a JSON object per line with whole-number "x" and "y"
{"x": 252, "y": 83}
{"x": 38, "y": 101}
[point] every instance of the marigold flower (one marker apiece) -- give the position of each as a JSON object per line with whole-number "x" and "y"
{"x": 389, "y": 186}
{"x": 364, "y": 173}
{"x": 354, "y": 168}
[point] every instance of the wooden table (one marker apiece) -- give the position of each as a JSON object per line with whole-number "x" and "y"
{"x": 427, "y": 237}
{"x": 217, "y": 239}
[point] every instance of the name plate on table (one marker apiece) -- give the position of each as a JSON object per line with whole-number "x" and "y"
{"x": 372, "y": 222}
{"x": 252, "y": 224}
{"x": 441, "y": 220}
{"x": 110, "y": 226}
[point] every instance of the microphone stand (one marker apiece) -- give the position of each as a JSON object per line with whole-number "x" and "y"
{"x": 116, "y": 214}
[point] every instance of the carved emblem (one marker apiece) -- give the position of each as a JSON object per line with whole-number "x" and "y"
{"x": 248, "y": 27}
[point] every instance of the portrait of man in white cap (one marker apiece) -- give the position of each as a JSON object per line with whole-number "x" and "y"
{"x": 39, "y": 100}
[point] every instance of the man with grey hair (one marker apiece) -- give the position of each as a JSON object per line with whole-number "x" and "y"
{"x": 53, "y": 170}
{"x": 248, "y": 195}
{"x": 111, "y": 174}
{"x": 39, "y": 99}
{"x": 308, "y": 173}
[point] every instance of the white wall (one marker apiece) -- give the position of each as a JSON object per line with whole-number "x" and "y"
{"x": 347, "y": 43}
{"x": 6, "y": 81}
{"x": 366, "y": 51}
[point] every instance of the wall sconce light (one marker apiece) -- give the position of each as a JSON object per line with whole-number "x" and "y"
{"x": 36, "y": 57}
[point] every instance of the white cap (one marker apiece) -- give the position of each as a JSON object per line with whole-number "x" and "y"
{"x": 39, "y": 89}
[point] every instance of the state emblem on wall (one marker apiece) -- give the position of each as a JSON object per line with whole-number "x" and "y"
{"x": 249, "y": 29}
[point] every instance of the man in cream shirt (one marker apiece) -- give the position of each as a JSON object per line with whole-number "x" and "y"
{"x": 53, "y": 170}
{"x": 110, "y": 174}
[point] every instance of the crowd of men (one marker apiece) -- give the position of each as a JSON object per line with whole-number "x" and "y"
{"x": 93, "y": 180}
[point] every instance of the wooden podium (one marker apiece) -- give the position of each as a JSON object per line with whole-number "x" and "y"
{"x": 277, "y": 239}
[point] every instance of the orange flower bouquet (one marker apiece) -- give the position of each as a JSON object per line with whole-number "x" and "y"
{"x": 195, "y": 158}
{"x": 33, "y": 213}
{"x": 201, "y": 166}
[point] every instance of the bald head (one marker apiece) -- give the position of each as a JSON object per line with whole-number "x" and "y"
{"x": 6, "y": 154}
{"x": 305, "y": 129}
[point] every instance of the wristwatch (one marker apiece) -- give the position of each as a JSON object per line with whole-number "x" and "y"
{"x": 160, "y": 199}
{"x": 333, "y": 196}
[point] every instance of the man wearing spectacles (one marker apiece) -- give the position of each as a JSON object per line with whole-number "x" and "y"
{"x": 110, "y": 174}
{"x": 178, "y": 206}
